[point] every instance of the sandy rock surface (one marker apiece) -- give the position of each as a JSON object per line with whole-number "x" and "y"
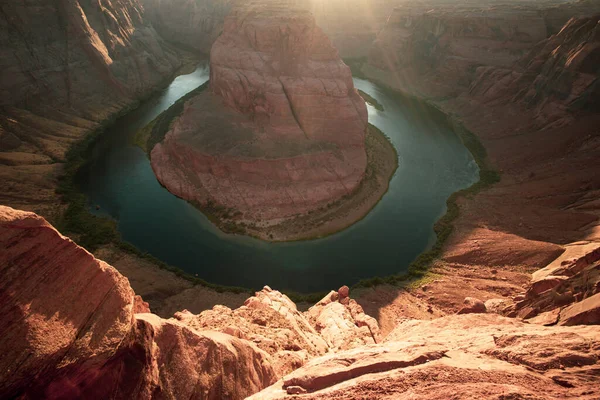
{"x": 470, "y": 356}
{"x": 68, "y": 319}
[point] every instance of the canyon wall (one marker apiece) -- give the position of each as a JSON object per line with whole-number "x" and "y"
{"x": 533, "y": 105}
{"x": 282, "y": 130}
{"x": 352, "y": 26}
{"x": 192, "y": 24}
{"x": 66, "y": 67}
{"x": 72, "y": 327}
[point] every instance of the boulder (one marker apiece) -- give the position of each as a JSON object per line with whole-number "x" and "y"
{"x": 472, "y": 305}
{"x": 343, "y": 292}
{"x": 585, "y": 312}
{"x": 496, "y": 305}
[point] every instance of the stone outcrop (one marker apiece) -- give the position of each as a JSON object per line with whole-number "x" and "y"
{"x": 192, "y": 24}
{"x": 69, "y": 321}
{"x": 566, "y": 292}
{"x": 342, "y": 322}
{"x": 73, "y": 322}
{"x": 272, "y": 322}
{"x": 281, "y": 131}
{"x": 470, "y": 356}
{"x": 67, "y": 67}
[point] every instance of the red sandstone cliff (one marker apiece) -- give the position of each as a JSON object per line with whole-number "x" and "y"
{"x": 536, "y": 115}
{"x": 66, "y": 67}
{"x": 68, "y": 320}
{"x": 191, "y": 23}
{"x": 71, "y": 327}
{"x": 291, "y": 137}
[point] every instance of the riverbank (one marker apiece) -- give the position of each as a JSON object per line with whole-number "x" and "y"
{"x": 162, "y": 292}
{"x": 74, "y": 219}
{"x": 166, "y": 288}
{"x": 501, "y": 230}
{"x": 370, "y": 100}
{"x": 382, "y": 162}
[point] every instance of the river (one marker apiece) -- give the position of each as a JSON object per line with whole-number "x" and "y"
{"x": 433, "y": 163}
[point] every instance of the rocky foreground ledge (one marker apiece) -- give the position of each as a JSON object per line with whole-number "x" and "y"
{"x": 72, "y": 327}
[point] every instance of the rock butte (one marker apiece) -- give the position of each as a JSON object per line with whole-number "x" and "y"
{"x": 74, "y": 323}
{"x": 291, "y": 136}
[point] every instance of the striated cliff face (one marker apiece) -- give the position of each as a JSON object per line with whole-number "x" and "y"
{"x": 534, "y": 114}
{"x": 282, "y": 130}
{"x": 449, "y": 44}
{"x": 556, "y": 80}
{"x": 192, "y": 23}
{"x": 66, "y": 67}
{"x": 73, "y": 323}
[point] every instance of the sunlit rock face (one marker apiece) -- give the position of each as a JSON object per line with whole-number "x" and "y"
{"x": 452, "y": 43}
{"x": 66, "y": 67}
{"x": 556, "y": 79}
{"x": 79, "y": 54}
{"x": 192, "y": 23}
{"x": 73, "y": 328}
{"x": 70, "y": 330}
{"x": 282, "y": 131}
{"x": 441, "y": 49}
{"x": 352, "y": 25}
{"x": 471, "y": 356}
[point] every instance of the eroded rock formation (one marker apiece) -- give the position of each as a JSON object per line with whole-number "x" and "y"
{"x": 469, "y": 356}
{"x": 282, "y": 130}
{"x": 74, "y": 323}
{"x": 69, "y": 320}
{"x": 67, "y": 66}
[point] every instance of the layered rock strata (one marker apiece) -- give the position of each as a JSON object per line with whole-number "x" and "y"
{"x": 534, "y": 114}
{"x": 73, "y": 322}
{"x": 70, "y": 321}
{"x": 282, "y": 130}
{"x": 67, "y": 67}
{"x": 469, "y": 356}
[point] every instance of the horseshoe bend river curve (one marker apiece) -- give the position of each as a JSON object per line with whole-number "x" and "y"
{"x": 433, "y": 163}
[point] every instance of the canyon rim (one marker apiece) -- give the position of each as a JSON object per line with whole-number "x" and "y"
{"x": 504, "y": 305}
